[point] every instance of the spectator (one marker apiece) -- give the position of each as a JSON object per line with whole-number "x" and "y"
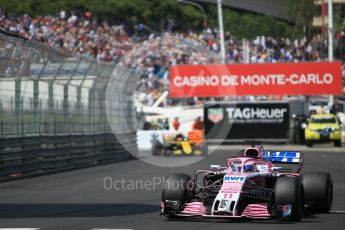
{"x": 336, "y": 107}
{"x": 147, "y": 125}
{"x": 176, "y": 124}
{"x": 198, "y": 124}
{"x": 161, "y": 125}
{"x": 79, "y": 34}
{"x": 166, "y": 124}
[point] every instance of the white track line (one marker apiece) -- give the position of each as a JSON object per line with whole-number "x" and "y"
{"x": 337, "y": 212}
{"x": 111, "y": 229}
{"x": 19, "y": 228}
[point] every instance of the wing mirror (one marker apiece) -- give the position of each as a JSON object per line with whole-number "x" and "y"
{"x": 276, "y": 168}
{"x": 218, "y": 167}
{"x": 215, "y": 167}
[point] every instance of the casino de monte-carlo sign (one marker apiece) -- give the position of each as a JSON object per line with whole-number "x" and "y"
{"x": 308, "y": 78}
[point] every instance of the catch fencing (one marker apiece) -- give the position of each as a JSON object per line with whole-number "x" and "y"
{"x": 53, "y": 107}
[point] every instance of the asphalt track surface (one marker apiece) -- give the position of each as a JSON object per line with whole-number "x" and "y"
{"x": 79, "y": 200}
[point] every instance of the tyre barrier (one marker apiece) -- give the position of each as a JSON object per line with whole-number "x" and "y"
{"x": 34, "y": 155}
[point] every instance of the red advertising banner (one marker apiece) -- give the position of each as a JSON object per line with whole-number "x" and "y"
{"x": 308, "y": 78}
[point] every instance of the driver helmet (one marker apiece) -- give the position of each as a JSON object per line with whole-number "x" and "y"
{"x": 179, "y": 137}
{"x": 249, "y": 168}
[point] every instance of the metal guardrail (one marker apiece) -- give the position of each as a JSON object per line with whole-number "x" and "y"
{"x": 27, "y": 156}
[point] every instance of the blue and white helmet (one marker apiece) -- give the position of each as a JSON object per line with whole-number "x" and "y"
{"x": 249, "y": 168}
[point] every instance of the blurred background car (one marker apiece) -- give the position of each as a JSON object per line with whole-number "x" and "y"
{"x": 323, "y": 128}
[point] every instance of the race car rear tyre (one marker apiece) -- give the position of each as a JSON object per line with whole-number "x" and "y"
{"x": 176, "y": 188}
{"x": 337, "y": 143}
{"x": 156, "y": 151}
{"x": 289, "y": 191}
{"x": 168, "y": 152}
{"x": 318, "y": 191}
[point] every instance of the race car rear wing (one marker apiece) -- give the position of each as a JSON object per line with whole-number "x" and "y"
{"x": 285, "y": 157}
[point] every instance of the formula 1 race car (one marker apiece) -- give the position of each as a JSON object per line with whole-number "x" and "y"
{"x": 250, "y": 186}
{"x": 177, "y": 144}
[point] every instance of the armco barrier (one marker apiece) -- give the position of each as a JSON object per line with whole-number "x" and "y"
{"x": 34, "y": 155}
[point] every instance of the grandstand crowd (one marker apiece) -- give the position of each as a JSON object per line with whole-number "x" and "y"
{"x": 81, "y": 35}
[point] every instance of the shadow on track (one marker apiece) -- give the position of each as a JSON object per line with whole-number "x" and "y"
{"x": 248, "y": 221}
{"x": 73, "y": 210}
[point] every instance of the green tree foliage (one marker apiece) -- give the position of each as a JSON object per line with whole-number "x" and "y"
{"x": 302, "y": 13}
{"x": 339, "y": 18}
{"x": 249, "y": 25}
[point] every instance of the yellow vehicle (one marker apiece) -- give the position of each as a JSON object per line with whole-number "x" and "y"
{"x": 323, "y": 128}
{"x": 177, "y": 144}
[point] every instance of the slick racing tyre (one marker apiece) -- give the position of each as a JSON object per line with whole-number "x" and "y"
{"x": 289, "y": 191}
{"x": 168, "y": 152}
{"x": 337, "y": 143}
{"x": 309, "y": 144}
{"x": 318, "y": 191}
{"x": 176, "y": 188}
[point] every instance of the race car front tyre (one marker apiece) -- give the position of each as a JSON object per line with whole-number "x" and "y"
{"x": 318, "y": 191}
{"x": 177, "y": 188}
{"x": 309, "y": 143}
{"x": 289, "y": 191}
{"x": 337, "y": 143}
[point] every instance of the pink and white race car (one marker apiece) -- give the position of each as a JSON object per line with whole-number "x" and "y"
{"x": 250, "y": 186}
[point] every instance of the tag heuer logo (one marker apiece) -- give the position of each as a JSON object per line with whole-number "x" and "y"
{"x": 215, "y": 115}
